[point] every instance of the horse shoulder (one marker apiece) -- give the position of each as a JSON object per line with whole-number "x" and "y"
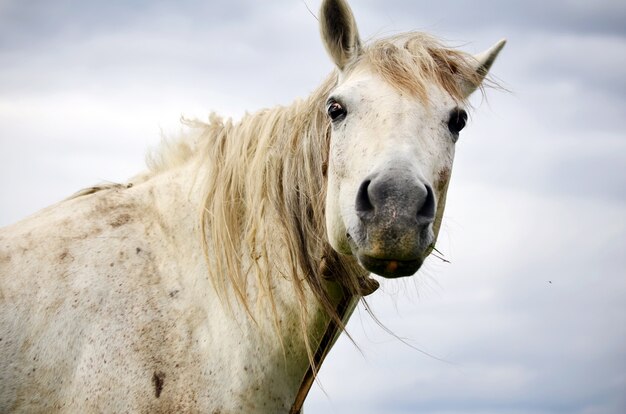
{"x": 93, "y": 303}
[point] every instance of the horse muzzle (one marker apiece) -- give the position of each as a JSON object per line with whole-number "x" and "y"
{"x": 396, "y": 211}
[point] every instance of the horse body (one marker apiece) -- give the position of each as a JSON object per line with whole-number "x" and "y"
{"x": 111, "y": 321}
{"x": 217, "y": 281}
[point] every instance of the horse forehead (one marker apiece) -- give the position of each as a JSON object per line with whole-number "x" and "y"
{"x": 371, "y": 93}
{"x": 365, "y": 86}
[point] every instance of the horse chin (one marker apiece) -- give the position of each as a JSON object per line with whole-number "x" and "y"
{"x": 390, "y": 268}
{"x": 390, "y": 258}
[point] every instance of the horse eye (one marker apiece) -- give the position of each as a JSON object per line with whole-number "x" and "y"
{"x": 457, "y": 121}
{"x": 335, "y": 110}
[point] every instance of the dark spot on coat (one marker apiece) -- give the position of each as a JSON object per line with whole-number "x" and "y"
{"x": 65, "y": 256}
{"x": 174, "y": 293}
{"x": 158, "y": 379}
{"x": 120, "y": 220}
{"x": 442, "y": 181}
{"x": 138, "y": 250}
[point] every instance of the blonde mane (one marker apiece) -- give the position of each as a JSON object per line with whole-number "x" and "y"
{"x": 266, "y": 192}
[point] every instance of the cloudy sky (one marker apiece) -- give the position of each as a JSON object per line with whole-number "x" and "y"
{"x": 530, "y": 315}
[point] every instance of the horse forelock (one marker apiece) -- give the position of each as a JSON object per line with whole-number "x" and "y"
{"x": 413, "y": 61}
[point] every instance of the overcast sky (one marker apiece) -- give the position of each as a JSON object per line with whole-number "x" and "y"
{"x": 530, "y": 315}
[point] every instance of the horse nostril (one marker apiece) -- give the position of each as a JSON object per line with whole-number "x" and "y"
{"x": 363, "y": 203}
{"x": 426, "y": 213}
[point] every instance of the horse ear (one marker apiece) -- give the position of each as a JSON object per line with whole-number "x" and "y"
{"x": 339, "y": 32}
{"x": 483, "y": 63}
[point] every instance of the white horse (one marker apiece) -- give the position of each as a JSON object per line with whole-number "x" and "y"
{"x": 218, "y": 280}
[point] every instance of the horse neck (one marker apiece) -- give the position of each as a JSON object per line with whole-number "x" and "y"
{"x": 288, "y": 285}
{"x": 276, "y": 341}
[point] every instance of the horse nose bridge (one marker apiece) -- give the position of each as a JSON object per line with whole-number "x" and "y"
{"x": 395, "y": 194}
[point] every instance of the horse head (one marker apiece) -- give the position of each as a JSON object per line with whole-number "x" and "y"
{"x": 396, "y": 113}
